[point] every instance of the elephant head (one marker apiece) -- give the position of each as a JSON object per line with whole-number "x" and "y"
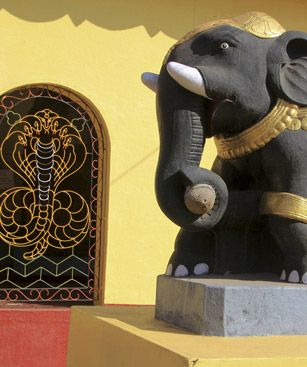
{"x": 218, "y": 80}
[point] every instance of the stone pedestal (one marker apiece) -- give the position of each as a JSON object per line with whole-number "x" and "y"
{"x": 233, "y": 306}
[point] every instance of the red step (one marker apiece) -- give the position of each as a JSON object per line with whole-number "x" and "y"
{"x": 33, "y": 335}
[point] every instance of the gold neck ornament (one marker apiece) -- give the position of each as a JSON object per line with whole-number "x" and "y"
{"x": 283, "y": 116}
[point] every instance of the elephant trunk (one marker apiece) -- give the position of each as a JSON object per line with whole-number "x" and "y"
{"x": 181, "y": 116}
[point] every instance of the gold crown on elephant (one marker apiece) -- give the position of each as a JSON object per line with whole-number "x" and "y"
{"x": 259, "y": 24}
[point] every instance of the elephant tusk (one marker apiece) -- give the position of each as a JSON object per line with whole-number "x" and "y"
{"x": 150, "y": 80}
{"x": 188, "y": 77}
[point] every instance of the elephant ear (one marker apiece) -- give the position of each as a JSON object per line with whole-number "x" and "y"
{"x": 288, "y": 58}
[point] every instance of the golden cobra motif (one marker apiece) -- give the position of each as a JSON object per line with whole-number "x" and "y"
{"x": 43, "y": 149}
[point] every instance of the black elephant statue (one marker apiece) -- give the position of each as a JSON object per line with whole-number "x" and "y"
{"x": 242, "y": 81}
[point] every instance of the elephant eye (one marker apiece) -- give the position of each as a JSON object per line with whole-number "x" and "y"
{"x": 224, "y": 45}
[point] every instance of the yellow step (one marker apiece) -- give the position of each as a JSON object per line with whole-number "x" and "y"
{"x": 129, "y": 336}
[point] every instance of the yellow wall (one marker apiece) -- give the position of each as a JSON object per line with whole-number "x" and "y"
{"x": 100, "y": 48}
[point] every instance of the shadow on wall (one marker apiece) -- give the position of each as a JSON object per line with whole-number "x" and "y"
{"x": 110, "y": 14}
{"x": 172, "y": 17}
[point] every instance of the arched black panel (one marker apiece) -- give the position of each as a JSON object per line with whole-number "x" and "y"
{"x": 53, "y": 190}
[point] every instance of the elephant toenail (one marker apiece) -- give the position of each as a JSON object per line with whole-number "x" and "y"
{"x": 169, "y": 269}
{"x": 181, "y": 271}
{"x": 201, "y": 269}
{"x": 294, "y": 277}
{"x": 304, "y": 278}
{"x": 283, "y": 275}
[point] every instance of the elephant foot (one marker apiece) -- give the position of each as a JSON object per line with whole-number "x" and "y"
{"x": 185, "y": 264}
{"x": 295, "y": 268}
{"x": 291, "y": 239}
{"x": 293, "y": 276}
{"x": 182, "y": 270}
{"x": 193, "y": 255}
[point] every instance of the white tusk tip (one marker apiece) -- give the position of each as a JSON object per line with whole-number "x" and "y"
{"x": 188, "y": 77}
{"x": 150, "y": 80}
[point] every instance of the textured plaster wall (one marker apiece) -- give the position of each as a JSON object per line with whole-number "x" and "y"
{"x": 100, "y": 48}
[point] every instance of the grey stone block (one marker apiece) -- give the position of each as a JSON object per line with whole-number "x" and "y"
{"x": 257, "y": 304}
